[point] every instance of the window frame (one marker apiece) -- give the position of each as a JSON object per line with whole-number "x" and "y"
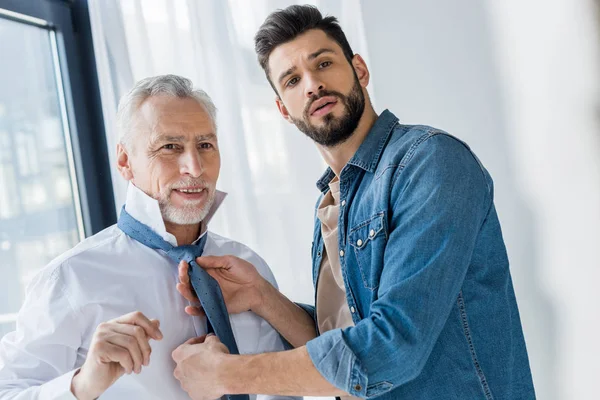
{"x": 69, "y": 21}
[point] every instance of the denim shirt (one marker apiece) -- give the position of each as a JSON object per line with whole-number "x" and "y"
{"x": 426, "y": 275}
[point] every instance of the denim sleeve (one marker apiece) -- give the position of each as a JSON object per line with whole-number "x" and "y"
{"x": 440, "y": 197}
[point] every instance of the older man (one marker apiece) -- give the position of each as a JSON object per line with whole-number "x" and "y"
{"x": 104, "y": 318}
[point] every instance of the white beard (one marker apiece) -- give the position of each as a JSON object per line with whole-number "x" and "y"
{"x": 189, "y": 214}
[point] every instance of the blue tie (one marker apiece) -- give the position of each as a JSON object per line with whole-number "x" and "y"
{"x": 207, "y": 289}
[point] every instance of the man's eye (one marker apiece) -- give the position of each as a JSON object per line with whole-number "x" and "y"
{"x": 169, "y": 146}
{"x": 325, "y": 64}
{"x": 292, "y": 81}
{"x": 206, "y": 145}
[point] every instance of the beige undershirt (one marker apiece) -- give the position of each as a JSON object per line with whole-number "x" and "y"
{"x": 331, "y": 304}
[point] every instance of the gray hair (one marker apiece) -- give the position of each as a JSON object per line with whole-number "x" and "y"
{"x": 170, "y": 85}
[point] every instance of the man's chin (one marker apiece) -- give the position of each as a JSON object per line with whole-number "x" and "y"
{"x": 181, "y": 220}
{"x": 181, "y": 216}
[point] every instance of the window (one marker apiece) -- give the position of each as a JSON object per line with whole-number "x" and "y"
{"x": 51, "y": 188}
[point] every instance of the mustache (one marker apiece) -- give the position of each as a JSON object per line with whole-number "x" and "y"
{"x": 322, "y": 93}
{"x": 194, "y": 182}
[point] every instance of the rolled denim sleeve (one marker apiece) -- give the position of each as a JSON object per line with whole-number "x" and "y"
{"x": 440, "y": 196}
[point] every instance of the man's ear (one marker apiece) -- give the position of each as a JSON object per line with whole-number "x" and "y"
{"x": 361, "y": 69}
{"x": 283, "y": 110}
{"x": 123, "y": 164}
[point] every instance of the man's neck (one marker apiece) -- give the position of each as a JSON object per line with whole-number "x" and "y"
{"x": 184, "y": 234}
{"x": 338, "y": 156}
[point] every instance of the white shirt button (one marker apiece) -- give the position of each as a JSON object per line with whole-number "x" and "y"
{"x": 352, "y": 310}
{"x": 343, "y": 203}
{"x": 359, "y": 242}
{"x": 341, "y": 253}
{"x": 371, "y": 233}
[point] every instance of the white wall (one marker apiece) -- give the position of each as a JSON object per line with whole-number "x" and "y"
{"x": 519, "y": 81}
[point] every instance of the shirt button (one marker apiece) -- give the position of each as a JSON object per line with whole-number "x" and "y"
{"x": 319, "y": 254}
{"x": 352, "y": 310}
{"x": 343, "y": 203}
{"x": 341, "y": 253}
{"x": 358, "y": 388}
{"x": 359, "y": 242}
{"x": 371, "y": 233}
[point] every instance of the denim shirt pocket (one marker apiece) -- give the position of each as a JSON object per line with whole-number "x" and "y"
{"x": 368, "y": 240}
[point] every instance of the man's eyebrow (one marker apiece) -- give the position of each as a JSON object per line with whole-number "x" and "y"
{"x": 207, "y": 136}
{"x": 317, "y": 53}
{"x": 168, "y": 138}
{"x": 181, "y": 138}
{"x": 286, "y": 73}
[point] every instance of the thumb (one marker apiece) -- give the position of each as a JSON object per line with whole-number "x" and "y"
{"x": 211, "y": 262}
{"x": 184, "y": 349}
{"x": 196, "y": 340}
{"x": 211, "y": 338}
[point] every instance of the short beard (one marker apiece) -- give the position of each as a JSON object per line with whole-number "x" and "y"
{"x": 189, "y": 214}
{"x": 335, "y": 130}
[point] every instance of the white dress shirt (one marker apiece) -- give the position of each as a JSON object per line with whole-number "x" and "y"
{"x": 104, "y": 277}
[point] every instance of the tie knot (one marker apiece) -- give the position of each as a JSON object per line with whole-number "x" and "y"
{"x": 186, "y": 252}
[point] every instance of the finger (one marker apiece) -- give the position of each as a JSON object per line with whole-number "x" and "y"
{"x": 182, "y": 350}
{"x": 139, "y": 334}
{"x": 109, "y": 352}
{"x": 212, "y": 262}
{"x": 216, "y": 273}
{"x": 139, "y": 319}
{"x": 185, "y": 289}
{"x": 213, "y": 342}
{"x": 195, "y": 311}
{"x": 129, "y": 343}
{"x": 211, "y": 338}
{"x": 183, "y": 272}
{"x": 196, "y": 340}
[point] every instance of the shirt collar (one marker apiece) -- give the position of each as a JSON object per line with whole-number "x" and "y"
{"x": 146, "y": 210}
{"x": 369, "y": 152}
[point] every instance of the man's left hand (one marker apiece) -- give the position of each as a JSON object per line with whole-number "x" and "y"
{"x": 200, "y": 367}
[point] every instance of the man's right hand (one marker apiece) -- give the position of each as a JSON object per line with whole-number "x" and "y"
{"x": 118, "y": 346}
{"x": 241, "y": 284}
{"x": 244, "y": 289}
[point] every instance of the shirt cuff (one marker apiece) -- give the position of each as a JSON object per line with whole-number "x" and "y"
{"x": 58, "y": 388}
{"x": 337, "y": 363}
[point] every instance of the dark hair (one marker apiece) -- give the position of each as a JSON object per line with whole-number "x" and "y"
{"x": 285, "y": 25}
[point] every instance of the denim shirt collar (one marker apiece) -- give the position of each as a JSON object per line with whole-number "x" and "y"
{"x": 368, "y": 154}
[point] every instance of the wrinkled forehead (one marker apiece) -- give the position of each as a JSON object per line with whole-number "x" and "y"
{"x": 173, "y": 116}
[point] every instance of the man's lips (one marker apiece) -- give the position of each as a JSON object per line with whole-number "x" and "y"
{"x": 323, "y": 102}
{"x": 195, "y": 193}
{"x": 190, "y": 189}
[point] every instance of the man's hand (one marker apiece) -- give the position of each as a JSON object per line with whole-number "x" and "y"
{"x": 241, "y": 284}
{"x": 206, "y": 370}
{"x": 118, "y": 346}
{"x": 245, "y": 289}
{"x": 199, "y": 367}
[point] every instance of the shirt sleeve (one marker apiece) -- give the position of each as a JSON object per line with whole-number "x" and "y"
{"x": 439, "y": 201}
{"x": 37, "y": 360}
